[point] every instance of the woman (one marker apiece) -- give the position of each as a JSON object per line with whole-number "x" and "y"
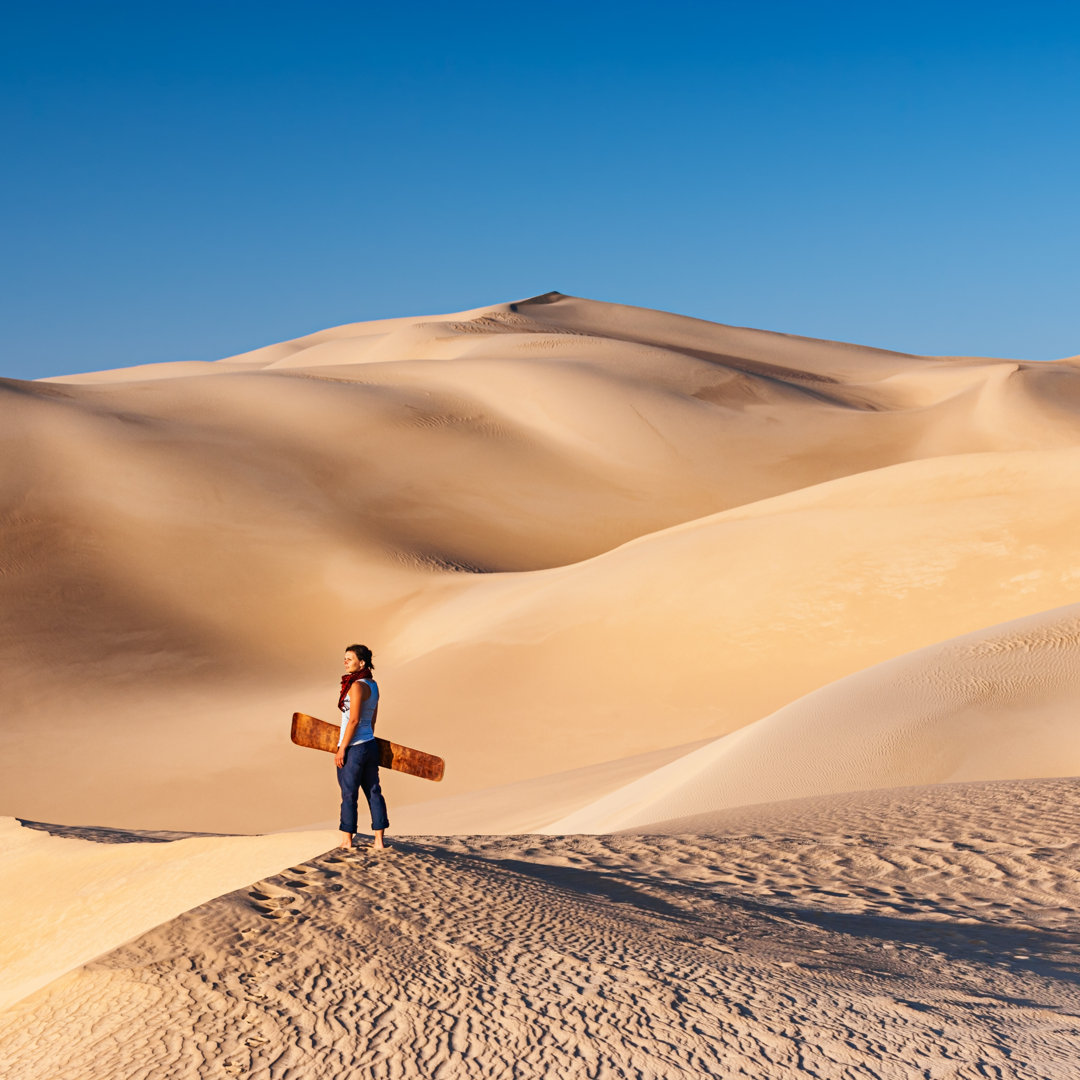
{"x": 357, "y": 756}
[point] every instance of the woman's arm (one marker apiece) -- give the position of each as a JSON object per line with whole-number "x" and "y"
{"x": 358, "y": 693}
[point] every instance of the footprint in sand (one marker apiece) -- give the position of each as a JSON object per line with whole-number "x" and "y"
{"x": 272, "y": 906}
{"x": 251, "y": 988}
{"x": 275, "y": 901}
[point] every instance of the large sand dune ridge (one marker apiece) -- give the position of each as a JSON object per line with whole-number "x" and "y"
{"x": 574, "y": 532}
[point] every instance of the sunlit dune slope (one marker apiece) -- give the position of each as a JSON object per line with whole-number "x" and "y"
{"x": 706, "y": 627}
{"x": 68, "y": 899}
{"x": 997, "y": 703}
{"x": 683, "y": 526}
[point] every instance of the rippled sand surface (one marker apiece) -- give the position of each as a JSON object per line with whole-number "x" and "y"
{"x": 918, "y": 932}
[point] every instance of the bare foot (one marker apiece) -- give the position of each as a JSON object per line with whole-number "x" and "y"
{"x": 346, "y": 842}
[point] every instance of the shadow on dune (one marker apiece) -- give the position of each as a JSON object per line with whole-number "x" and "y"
{"x": 951, "y": 930}
{"x": 102, "y": 834}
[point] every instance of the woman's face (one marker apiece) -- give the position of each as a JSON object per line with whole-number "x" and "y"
{"x": 352, "y": 664}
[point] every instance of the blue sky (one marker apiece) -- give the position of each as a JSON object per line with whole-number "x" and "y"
{"x": 192, "y": 181}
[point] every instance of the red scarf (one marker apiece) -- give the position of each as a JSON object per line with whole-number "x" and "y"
{"x": 346, "y": 683}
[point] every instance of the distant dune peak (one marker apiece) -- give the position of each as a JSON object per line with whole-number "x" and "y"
{"x": 543, "y": 298}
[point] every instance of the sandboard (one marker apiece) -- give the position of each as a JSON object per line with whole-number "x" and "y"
{"x": 319, "y": 735}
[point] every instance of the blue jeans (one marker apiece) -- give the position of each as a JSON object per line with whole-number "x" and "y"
{"x": 361, "y": 770}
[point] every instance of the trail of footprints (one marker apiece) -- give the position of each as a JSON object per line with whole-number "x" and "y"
{"x": 284, "y": 900}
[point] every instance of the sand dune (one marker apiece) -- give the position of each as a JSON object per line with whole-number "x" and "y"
{"x": 527, "y": 806}
{"x": 885, "y": 935}
{"x": 746, "y": 603}
{"x": 707, "y": 627}
{"x": 784, "y": 596}
{"x": 682, "y": 526}
{"x": 67, "y": 899}
{"x": 993, "y": 704}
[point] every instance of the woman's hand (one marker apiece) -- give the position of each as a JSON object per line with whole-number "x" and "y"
{"x": 339, "y": 757}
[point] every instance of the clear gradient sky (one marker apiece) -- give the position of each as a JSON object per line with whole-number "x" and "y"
{"x": 193, "y": 180}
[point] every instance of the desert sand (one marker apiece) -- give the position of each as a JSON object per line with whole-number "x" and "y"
{"x": 912, "y": 932}
{"x": 68, "y": 898}
{"x": 753, "y": 659}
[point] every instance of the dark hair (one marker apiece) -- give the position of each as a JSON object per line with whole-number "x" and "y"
{"x": 363, "y": 654}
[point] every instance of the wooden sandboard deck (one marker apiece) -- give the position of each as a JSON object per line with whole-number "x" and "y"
{"x": 319, "y": 735}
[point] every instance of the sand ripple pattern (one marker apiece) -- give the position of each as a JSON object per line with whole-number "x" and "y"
{"x": 791, "y": 950}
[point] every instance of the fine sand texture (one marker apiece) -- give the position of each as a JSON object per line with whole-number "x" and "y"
{"x": 926, "y": 932}
{"x": 575, "y": 533}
